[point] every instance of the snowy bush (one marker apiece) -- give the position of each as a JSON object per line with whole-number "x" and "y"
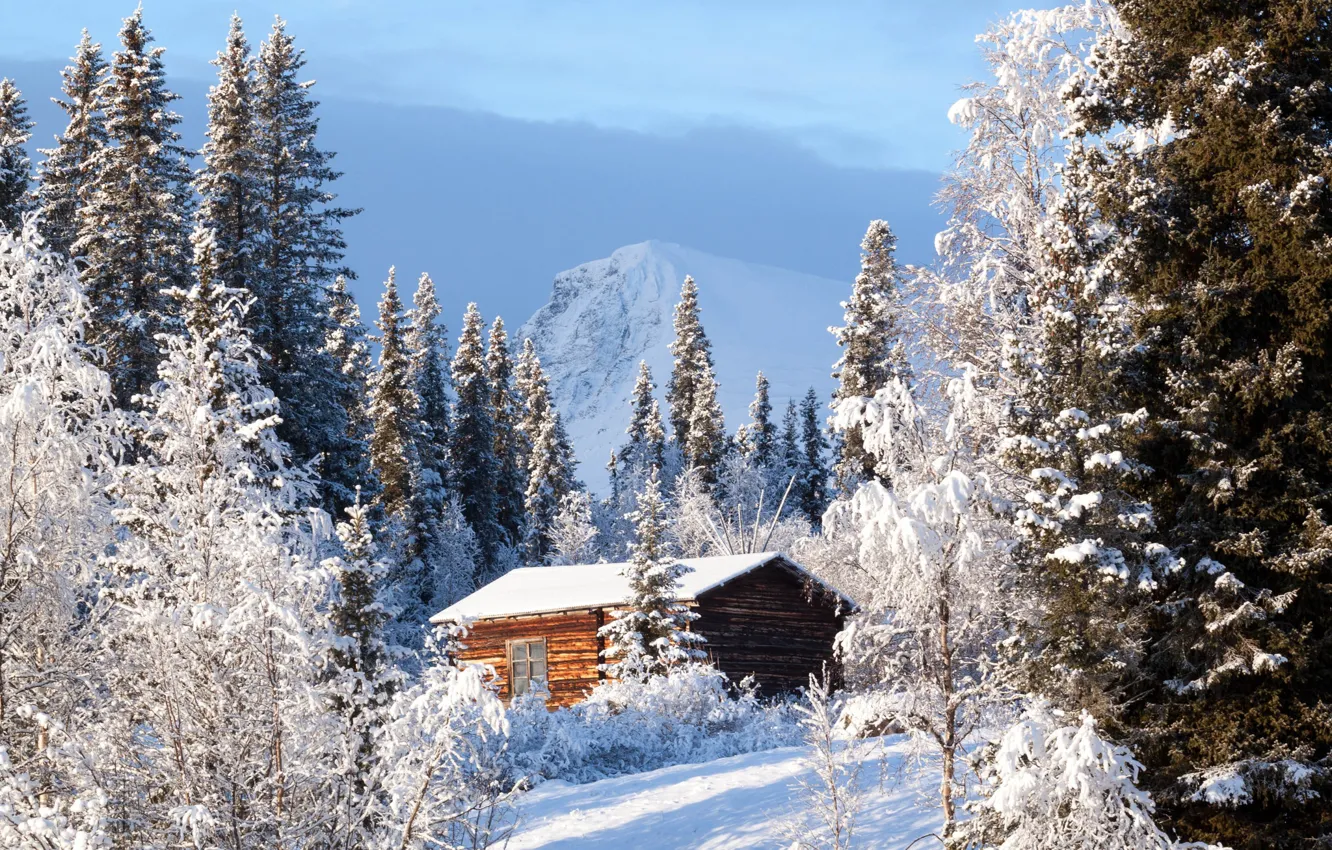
{"x": 691, "y": 714}
{"x": 1057, "y": 784}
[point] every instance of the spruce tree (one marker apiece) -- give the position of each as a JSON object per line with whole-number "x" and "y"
{"x": 757, "y": 439}
{"x": 1227, "y": 272}
{"x": 67, "y": 170}
{"x": 346, "y": 466}
{"x": 648, "y": 636}
{"x": 15, "y": 167}
{"x": 299, "y": 250}
{"x": 427, "y": 348}
{"x": 693, "y": 356}
{"x": 546, "y": 464}
{"x": 646, "y": 446}
{"x": 813, "y": 481}
{"x": 510, "y": 483}
{"x": 134, "y": 223}
{"x": 872, "y": 351}
{"x": 792, "y": 456}
{"x": 393, "y": 413}
{"x": 227, "y": 184}
{"x": 472, "y": 461}
{"x": 705, "y": 443}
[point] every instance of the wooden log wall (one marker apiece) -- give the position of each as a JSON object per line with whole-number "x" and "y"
{"x": 771, "y": 623}
{"x": 572, "y": 650}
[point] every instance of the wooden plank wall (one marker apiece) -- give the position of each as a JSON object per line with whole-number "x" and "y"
{"x": 765, "y": 623}
{"x": 572, "y": 650}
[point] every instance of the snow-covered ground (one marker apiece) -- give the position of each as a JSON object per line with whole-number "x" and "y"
{"x": 728, "y": 804}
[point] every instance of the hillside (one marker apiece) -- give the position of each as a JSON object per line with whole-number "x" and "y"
{"x": 605, "y": 316}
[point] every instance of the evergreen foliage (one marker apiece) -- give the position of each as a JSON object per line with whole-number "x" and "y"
{"x": 133, "y": 225}
{"x": 393, "y": 413}
{"x": 505, "y": 411}
{"x": 546, "y": 457}
{"x": 15, "y": 167}
{"x": 427, "y": 347}
{"x": 757, "y": 439}
{"x": 812, "y": 476}
{"x": 705, "y": 443}
{"x": 872, "y": 349}
{"x": 472, "y": 461}
{"x": 227, "y": 185}
{"x": 649, "y": 635}
{"x": 346, "y": 466}
{"x": 66, "y": 172}
{"x": 298, "y": 252}
{"x": 646, "y": 447}
{"x": 693, "y": 356}
{"x": 1227, "y": 272}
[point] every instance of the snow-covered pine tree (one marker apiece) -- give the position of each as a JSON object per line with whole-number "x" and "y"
{"x": 650, "y": 634}
{"x": 212, "y": 644}
{"x": 693, "y": 354}
{"x": 871, "y": 341}
{"x": 472, "y": 462}
{"x": 134, "y": 223}
{"x": 346, "y": 466}
{"x": 427, "y": 347}
{"x": 645, "y": 449}
{"x": 66, "y": 171}
{"x": 1227, "y": 273}
{"x": 58, "y": 436}
{"x": 393, "y": 414}
{"x": 706, "y": 444}
{"x": 792, "y": 457}
{"x": 299, "y": 253}
{"x": 15, "y": 167}
{"x": 543, "y": 454}
{"x": 812, "y": 483}
{"x": 227, "y": 184}
{"x": 361, "y": 676}
{"x": 505, "y": 413}
{"x": 757, "y": 438}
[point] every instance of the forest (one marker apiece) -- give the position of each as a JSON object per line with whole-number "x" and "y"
{"x": 1076, "y": 475}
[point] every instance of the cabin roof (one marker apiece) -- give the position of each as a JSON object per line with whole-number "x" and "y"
{"x": 544, "y": 590}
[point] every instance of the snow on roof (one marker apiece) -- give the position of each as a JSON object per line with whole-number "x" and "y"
{"x": 543, "y": 590}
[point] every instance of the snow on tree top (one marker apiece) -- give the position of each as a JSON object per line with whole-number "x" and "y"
{"x": 543, "y": 590}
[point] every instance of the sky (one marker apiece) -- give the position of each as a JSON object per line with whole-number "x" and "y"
{"x": 495, "y": 143}
{"x": 861, "y": 82}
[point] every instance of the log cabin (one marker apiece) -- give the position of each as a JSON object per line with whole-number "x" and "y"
{"x": 762, "y": 615}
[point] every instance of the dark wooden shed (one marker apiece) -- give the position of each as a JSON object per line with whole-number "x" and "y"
{"x": 762, "y": 615}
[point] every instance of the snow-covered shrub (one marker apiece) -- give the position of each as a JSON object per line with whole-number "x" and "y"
{"x": 831, "y": 795}
{"x": 1052, "y": 783}
{"x": 51, "y": 801}
{"x": 691, "y": 714}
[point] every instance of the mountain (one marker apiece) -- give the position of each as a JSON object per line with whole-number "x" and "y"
{"x": 605, "y": 316}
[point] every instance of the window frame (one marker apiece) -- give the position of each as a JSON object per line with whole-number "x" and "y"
{"x": 510, "y": 647}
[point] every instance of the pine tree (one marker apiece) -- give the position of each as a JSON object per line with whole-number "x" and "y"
{"x": 427, "y": 347}
{"x": 361, "y": 675}
{"x": 573, "y": 539}
{"x": 472, "y": 460}
{"x": 510, "y": 483}
{"x": 693, "y": 356}
{"x": 393, "y": 413}
{"x": 133, "y": 225}
{"x": 299, "y": 251}
{"x": 872, "y": 351}
{"x": 649, "y": 635}
{"x": 646, "y": 447}
{"x": 227, "y": 184}
{"x": 705, "y": 443}
{"x": 757, "y": 439}
{"x": 545, "y": 456}
{"x": 1227, "y": 272}
{"x": 792, "y": 456}
{"x": 346, "y": 466}
{"x": 67, "y": 170}
{"x": 813, "y": 480}
{"x": 15, "y": 167}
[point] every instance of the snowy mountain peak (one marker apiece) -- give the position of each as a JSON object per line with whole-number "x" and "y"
{"x": 606, "y": 315}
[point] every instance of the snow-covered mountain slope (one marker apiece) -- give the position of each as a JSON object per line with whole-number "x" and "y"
{"x": 607, "y": 315}
{"x": 728, "y": 804}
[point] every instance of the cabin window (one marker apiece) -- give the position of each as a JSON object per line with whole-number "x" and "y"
{"x": 527, "y": 665}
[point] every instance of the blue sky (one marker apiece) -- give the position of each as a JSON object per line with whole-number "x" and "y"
{"x": 861, "y": 82}
{"x": 495, "y": 143}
